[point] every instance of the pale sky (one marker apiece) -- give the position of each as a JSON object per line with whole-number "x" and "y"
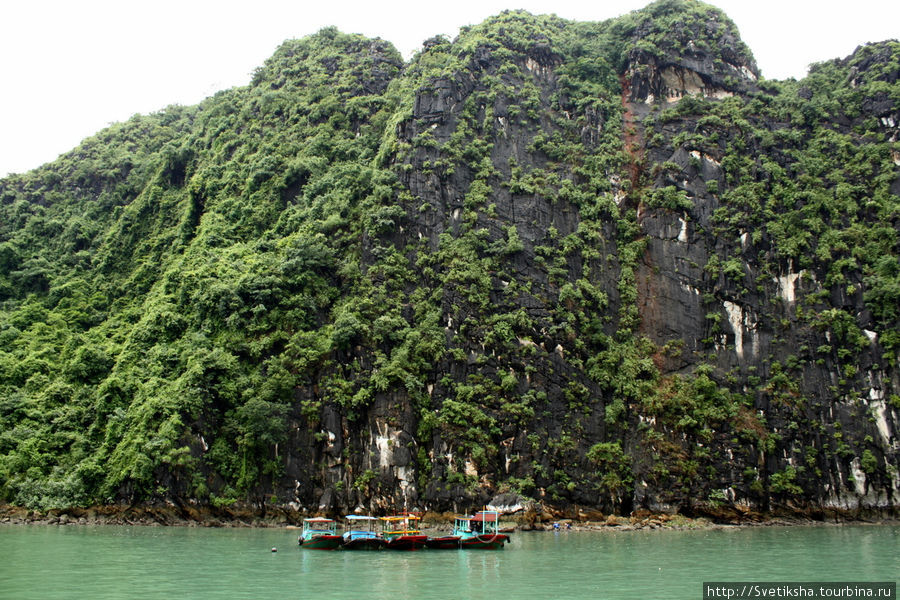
{"x": 70, "y": 68}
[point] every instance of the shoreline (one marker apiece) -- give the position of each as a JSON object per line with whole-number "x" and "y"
{"x": 277, "y": 517}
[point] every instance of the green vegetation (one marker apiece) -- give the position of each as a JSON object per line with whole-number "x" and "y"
{"x": 255, "y": 298}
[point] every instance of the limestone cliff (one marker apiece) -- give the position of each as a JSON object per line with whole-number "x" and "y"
{"x": 601, "y": 265}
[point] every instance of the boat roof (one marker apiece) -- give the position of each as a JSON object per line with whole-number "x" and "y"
{"x": 361, "y": 518}
{"x": 319, "y": 520}
{"x": 482, "y": 516}
{"x": 486, "y": 515}
{"x": 400, "y": 517}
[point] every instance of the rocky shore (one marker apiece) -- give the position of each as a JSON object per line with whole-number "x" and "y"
{"x": 544, "y": 519}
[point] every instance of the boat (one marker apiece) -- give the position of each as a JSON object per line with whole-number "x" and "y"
{"x": 320, "y": 534}
{"x": 360, "y": 534}
{"x": 480, "y": 531}
{"x": 401, "y": 532}
{"x": 443, "y": 542}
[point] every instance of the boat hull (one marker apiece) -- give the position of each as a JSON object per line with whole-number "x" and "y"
{"x": 406, "y": 542}
{"x": 368, "y": 543}
{"x": 322, "y": 542}
{"x": 489, "y": 541}
{"x": 447, "y": 542}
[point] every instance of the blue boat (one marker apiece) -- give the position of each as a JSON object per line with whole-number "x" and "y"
{"x": 360, "y": 534}
{"x": 480, "y": 531}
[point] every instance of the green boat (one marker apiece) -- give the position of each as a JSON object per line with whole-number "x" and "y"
{"x": 320, "y": 534}
{"x": 480, "y": 531}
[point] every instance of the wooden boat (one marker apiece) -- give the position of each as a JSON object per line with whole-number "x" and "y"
{"x": 444, "y": 542}
{"x": 480, "y": 531}
{"x": 320, "y": 534}
{"x": 360, "y": 534}
{"x": 402, "y": 532}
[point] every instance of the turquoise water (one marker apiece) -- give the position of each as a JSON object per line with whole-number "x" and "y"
{"x": 48, "y": 562}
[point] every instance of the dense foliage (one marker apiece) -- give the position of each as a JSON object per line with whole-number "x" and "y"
{"x": 358, "y": 279}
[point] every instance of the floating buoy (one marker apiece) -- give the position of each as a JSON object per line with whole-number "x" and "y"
{"x": 274, "y": 549}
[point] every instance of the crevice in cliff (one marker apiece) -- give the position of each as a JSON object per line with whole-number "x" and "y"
{"x": 631, "y": 134}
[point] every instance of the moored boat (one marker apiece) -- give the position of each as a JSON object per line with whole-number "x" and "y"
{"x": 320, "y": 534}
{"x": 401, "y": 532}
{"x": 480, "y": 531}
{"x": 443, "y": 542}
{"x": 360, "y": 534}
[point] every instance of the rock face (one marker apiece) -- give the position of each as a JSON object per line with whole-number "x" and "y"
{"x": 757, "y": 325}
{"x": 674, "y": 55}
{"x": 768, "y": 432}
{"x": 590, "y": 266}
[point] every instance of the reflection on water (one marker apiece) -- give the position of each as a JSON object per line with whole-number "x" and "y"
{"x": 50, "y": 562}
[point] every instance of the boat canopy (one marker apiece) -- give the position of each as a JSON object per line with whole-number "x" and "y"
{"x": 319, "y": 520}
{"x": 360, "y": 518}
{"x": 485, "y": 516}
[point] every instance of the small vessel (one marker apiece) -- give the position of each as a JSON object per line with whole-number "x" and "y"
{"x": 360, "y": 534}
{"x": 443, "y": 542}
{"x": 320, "y": 534}
{"x": 480, "y": 531}
{"x": 401, "y": 532}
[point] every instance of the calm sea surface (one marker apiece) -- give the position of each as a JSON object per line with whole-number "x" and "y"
{"x": 47, "y": 562}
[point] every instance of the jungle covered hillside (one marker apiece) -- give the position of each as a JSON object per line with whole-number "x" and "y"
{"x": 602, "y": 264}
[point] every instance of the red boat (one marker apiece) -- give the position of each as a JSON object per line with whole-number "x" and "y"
{"x": 401, "y": 532}
{"x": 444, "y": 542}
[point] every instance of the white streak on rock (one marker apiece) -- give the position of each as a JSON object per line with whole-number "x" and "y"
{"x": 736, "y": 319}
{"x": 787, "y": 285}
{"x": 682, "y": 235}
